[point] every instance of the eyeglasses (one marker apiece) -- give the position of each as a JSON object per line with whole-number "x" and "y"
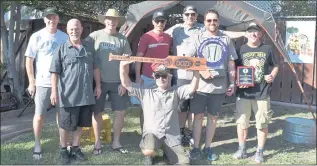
{"x": 159, "y": 76}
{"x": 160, "y": 21}
{"x": 192, "y": 14}
{"x": 212, "y": 20}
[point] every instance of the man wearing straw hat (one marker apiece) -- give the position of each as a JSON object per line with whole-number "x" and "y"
{"x": 107, "y": 41}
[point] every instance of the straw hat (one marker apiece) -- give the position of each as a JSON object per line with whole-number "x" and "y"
{"x": 114, "y": 14}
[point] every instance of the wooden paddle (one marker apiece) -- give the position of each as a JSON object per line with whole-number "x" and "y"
{"x": 175, "y": 62}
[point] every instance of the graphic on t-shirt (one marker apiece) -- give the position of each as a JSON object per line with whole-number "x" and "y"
{"x": 47, "y": 47}
{"x": 215, "y": 50}
{"x": 110, "y": 47}
{"x": 257, "y": 60}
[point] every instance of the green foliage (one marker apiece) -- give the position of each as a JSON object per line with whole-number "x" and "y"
{"x": 81, "y": 9}
{"x": 296, "y": 8}
{"x": 292, "y": 30}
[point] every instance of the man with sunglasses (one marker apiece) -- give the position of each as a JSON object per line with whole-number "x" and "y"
{"x": 181, "y": 34}
{"x": 214, "y": 83}
{"x": 160, "y": 102}
{"x": 153, "y": 44}
{"x": 72, "y": 61}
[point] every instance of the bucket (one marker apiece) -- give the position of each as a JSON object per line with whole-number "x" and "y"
{"x": 300, "y": 130}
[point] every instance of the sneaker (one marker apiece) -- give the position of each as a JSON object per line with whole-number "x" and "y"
{"x": 77, "y": 154}
{"x": 64, "y": 155}
{"x": 148, "y": 160}
{"x": 258, "y": 157}
{"x": 240, "y": 154}
{"x": 210, "y": 156}
{"x": 194, "y": 154}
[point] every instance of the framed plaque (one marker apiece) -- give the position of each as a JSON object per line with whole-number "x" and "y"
{"x": 245, "y": 76}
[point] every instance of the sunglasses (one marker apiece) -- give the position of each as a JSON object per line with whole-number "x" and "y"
{"x": 160, "y": 21}
{"x": 192, "y": 14}
{"x": 212, "y": 20}
{"x": 159, "y": 76}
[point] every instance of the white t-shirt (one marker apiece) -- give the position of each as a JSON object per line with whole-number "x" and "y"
{"x": 41, "y": 47}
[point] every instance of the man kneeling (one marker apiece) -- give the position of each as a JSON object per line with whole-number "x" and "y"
{"x": 160, "y": 110}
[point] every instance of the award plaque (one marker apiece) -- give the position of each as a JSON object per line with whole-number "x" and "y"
{"x": 245, "y": 76}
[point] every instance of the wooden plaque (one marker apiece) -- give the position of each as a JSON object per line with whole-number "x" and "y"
{"x": 245, "y": 76}
{"x": 176, "y": 62}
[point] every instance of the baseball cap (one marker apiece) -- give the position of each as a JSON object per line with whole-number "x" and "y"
{"x": 160, "y": 69}
{"x": 159, "y": 15}
{"x": 190, "y": 7}
{"x": 253, "y": 26}
{"x": 50, "y": 10}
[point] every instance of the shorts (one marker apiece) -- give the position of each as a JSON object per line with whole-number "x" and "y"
{"x": 261, "y": 109}
{"x": 175, "y": 154}
{"x": 147, "y": 82}
{"x": 72, "y": 117}
{"x": 118, "y": 103}
{"x": 42, "y": 100}
{"x": 213, "y": 102}
{"x": 184, "y": 104}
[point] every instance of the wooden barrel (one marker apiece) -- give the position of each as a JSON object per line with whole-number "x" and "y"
{"x": 300, "y": 130}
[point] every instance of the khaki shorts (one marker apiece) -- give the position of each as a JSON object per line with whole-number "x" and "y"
{"x": 175, "y": 154}
{"x": 261, "y": 108}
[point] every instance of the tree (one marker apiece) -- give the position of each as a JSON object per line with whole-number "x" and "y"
{"x": 295, "y": 8}
{"x": 85, "y": 10}
{"x": 8, "y": 44}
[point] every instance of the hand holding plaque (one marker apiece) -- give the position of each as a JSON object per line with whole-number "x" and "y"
{"x": 245, "y": 76}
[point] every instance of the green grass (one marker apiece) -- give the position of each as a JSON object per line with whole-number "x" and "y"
{"x": 278, "y": 151}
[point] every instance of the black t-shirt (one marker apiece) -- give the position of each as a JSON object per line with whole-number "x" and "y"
{"x": 262, "y": 59}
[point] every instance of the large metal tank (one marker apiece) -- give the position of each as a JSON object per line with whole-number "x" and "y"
{"x": 300, "y": 130}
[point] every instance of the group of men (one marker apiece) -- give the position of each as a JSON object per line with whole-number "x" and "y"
{"x": 76, "y": 76}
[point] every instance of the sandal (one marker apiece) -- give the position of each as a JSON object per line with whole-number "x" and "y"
{"x": 97, "y": 151}
{"x": 121, "y": 150}
{"x": 37, "y": 155}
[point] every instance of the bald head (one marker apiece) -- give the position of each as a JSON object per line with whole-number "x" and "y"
{"x": 74, "y": 29}
{"x": 73, "y": 21}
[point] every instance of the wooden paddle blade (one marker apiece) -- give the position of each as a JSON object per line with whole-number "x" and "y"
{"x": 187, "y": 63}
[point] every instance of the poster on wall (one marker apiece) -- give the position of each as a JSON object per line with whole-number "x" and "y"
{"x": 300, "y": 41}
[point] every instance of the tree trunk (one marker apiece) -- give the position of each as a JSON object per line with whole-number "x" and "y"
{"x": 19, "y": 58}
{"x": 4, "y": 39}
{"x": 12, "y": 72}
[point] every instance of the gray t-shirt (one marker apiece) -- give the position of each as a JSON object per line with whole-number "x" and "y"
{"x": 104, "y": 44}
{"x": 214, "y": 55}
{"x": 160, "y": 110}
{"x": 76, "y": 70}
{"x": 181, "y": 41}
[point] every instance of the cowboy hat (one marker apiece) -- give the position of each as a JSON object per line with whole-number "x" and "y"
{"x": 111, "y": 13}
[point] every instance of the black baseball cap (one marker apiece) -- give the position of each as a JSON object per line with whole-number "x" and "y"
{"x": 159, "y": 15}
{"x": 50, "y": 10}
{"x": 190, "y": 7}
{"x": 253, "y": 26}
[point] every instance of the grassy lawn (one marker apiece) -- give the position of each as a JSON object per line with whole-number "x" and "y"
{"x": 278, "y": 151}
